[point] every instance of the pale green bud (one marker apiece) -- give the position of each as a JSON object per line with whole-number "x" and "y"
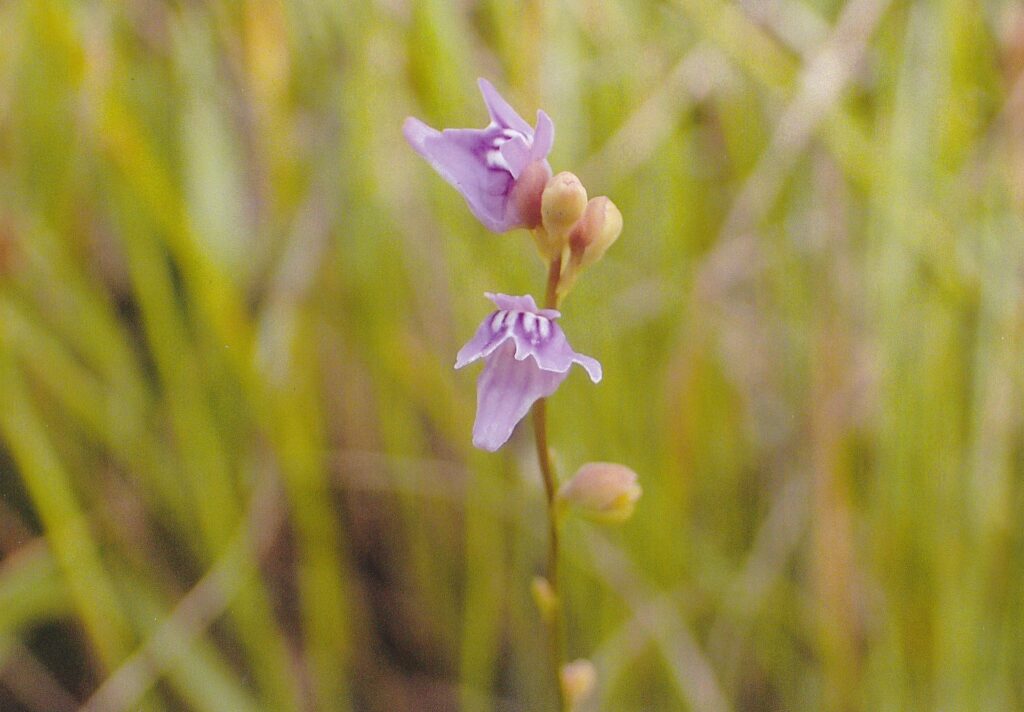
{"x": 562, "y": 204}
{"x": 578, "y": 679}
{"x": 603, "y": 491}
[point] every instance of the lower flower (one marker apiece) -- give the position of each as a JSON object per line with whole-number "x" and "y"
{"x": 526, "y": 357}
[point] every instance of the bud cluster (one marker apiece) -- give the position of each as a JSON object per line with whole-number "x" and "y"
{"x": 572, "y": 228}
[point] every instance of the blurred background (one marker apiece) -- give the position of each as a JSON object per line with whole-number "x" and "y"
{"x": 235, "y": 460}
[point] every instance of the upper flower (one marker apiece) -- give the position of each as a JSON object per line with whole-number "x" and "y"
{"x": 500, "y": 170}
{"x": 527, "y": 357}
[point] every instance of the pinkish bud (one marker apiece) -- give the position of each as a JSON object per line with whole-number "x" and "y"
{"x": 578, "y": 679}
{"x": 603, "y": 491}
{"x": 526, "y": 194}
{"x": 596, "y": 230}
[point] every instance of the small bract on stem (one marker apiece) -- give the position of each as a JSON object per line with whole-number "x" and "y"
{"x": 503, "y": 174}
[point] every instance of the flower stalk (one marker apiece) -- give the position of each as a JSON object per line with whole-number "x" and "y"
{"x": 503, "y": 174}
{"x": 550, "y": 478}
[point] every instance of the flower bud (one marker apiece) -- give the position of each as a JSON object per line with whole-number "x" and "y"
{"x": 578, "y": 679}
{"x": 595, "y": 232}
{"x": 603, "y": 491}
{"x": 527, "y": 191}
{"x": 544, "y": 597}
{"x": 562, "y": 204}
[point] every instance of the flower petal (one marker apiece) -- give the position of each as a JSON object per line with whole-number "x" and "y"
{"x": 500, "y": 110}
{"x": 516, "y": 153}
{"x": 505, "y": 301}
{"x": 416, "y": 132}
{"x": 544, "y": 137}
{"x": 459, "y": 156}
{"x": 591, "y": 365}
{"x": 484, "y": 341}
{"x": 505, "y": 392}
{"x": 547, "y": 344}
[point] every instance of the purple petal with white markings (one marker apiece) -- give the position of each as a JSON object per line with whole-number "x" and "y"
{"x": 527, "y": 356}
{"x": 500, "y": 111}
{"x": 484, "y": 164}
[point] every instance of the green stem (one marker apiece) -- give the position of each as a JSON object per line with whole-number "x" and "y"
{"x": 547, "y": 470}
{"x": 554, "y": 277}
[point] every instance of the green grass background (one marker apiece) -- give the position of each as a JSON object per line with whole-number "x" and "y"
{"x": 235, "y": 461}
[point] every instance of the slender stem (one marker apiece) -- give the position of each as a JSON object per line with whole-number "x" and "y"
{"x": 547, "y": 470}
{"x": 554, "y": 277}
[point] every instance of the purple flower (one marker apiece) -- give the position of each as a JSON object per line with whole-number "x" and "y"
{"x": 527, "y": 357}
{"x": 500, "y": 170}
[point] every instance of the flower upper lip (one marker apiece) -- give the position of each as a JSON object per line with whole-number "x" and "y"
{"x": 523, "y": 303}
{"x": 534, "y": 333}
{"x": 484, "y": 164}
